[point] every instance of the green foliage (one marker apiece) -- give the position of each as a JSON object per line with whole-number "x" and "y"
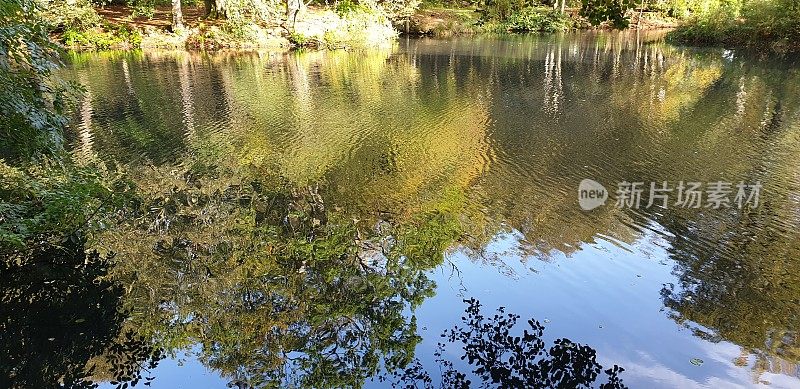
{"x": 78, "y": 15}
{"x": 678, "y": 9}
{"x": 128, "y": 34}
{"x": 344, "y": 7}
{"x": 78, "y": 25}
{"x": 33, "y": 102}
{"x": 142, "y": 8}
{"x": 501, "y": 10}
{"x": 102, "y": 39}
{"x": 501, "y": 360}
{"x": 298, "y": 39}
{"x": 613, "y": 11}
{"x": 61, "y": 315}
{"x": 267, "y": 270}
{"x": 53, "y": 200}
{"x": 523, "y": 16}
{"x": 242, "y": 12}
{"x": 543, "y": 19}
{"x": 398, "y": 9}
{"x": 765, "y": 25}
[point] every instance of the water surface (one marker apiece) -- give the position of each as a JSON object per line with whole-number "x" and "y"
{"x": 267, "y": 171}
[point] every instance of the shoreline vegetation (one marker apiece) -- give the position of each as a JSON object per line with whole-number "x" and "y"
{"x": 771, "y": 25}
{"x": 762, "y": 25}
{"x": 765, "y": 25}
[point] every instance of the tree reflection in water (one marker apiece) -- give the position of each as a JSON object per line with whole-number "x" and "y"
{"x": 501, "y": 359}
{"x": 276, "y": 288}
{"x": 280, "y": 289}
{"x": 59, "y": 322}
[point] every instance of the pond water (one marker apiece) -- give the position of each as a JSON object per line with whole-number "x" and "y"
{"x": 317, "y": 219}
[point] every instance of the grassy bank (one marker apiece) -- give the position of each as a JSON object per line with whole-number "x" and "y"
{"x": 762, "y": 25}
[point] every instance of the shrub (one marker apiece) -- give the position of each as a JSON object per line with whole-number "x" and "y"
{"x": 52, "y": 199}
{"x": 33, "y": 101}
{"x": 601, "y": 11}
{"x": 398, "y": 9}
{"x": 764, "y": 25}
{"x": 102, "y": 38}
{"x": 542, "y": 19}
{"x": 78, "y": 16}
{"x": 145, "y": 9}
{"x": 501, "y": 10}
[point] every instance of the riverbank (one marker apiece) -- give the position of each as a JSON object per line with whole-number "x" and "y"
{"x": 445, "y": 22}
{"x": 355, "y": 26}
{"x": 123, "y": 27}
{"x": 771, "y": 26}
{"x": 781, "y": 37}
{"x": 120, "y": 27}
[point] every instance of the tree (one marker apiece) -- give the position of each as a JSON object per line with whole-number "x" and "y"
{"x": 599, "y": 11}
{"x": 32, "y": 101}
{"x": 279, "y": 290}
{"x": 177, "y": 15}
{"x": 293, "y": 8}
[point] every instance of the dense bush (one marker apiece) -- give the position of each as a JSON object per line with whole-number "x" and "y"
{"x": 397, "y": 9}
{"x": 362, "y": 27}
{"x": 761, "y": 24}
{"x": 613, "y": 11}
{"x": 33, "y": 102}
{"x": 76, "y": 16}
{"x": 53, "y": 199}
{"x": 142, "y": 8}
{"x": 543, "y": 19}
{"x": 501, "y": 10}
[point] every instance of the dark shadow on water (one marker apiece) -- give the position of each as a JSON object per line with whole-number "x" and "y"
{"x": 59, "y": 322}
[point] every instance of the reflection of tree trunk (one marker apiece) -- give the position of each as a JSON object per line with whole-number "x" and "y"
{"x": 300, "y": 82}
{"x": 226, "y": 116}
{"x": 127, "y": 74}
{"x": 558, "y": 92}
{"x": 186, "y": 99}
{"x": 741, "y": 98}
{"x": 177, "y": 15}
{"x": 638, "y": 55}
{"x": 641, "y": 11}
{"x": 85, "y": 135}
{"x": 301, "y": 86}
{"x": 552, "y": 81}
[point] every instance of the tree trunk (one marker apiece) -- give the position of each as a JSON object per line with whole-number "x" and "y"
{"x": 293, "y": 7}
{"x": 177, "y": 16}
{"x": 641, "y": 11}
{"x": 563, "y": 4}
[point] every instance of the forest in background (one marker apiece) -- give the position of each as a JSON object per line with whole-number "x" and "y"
{"x": 772, "y": 25}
